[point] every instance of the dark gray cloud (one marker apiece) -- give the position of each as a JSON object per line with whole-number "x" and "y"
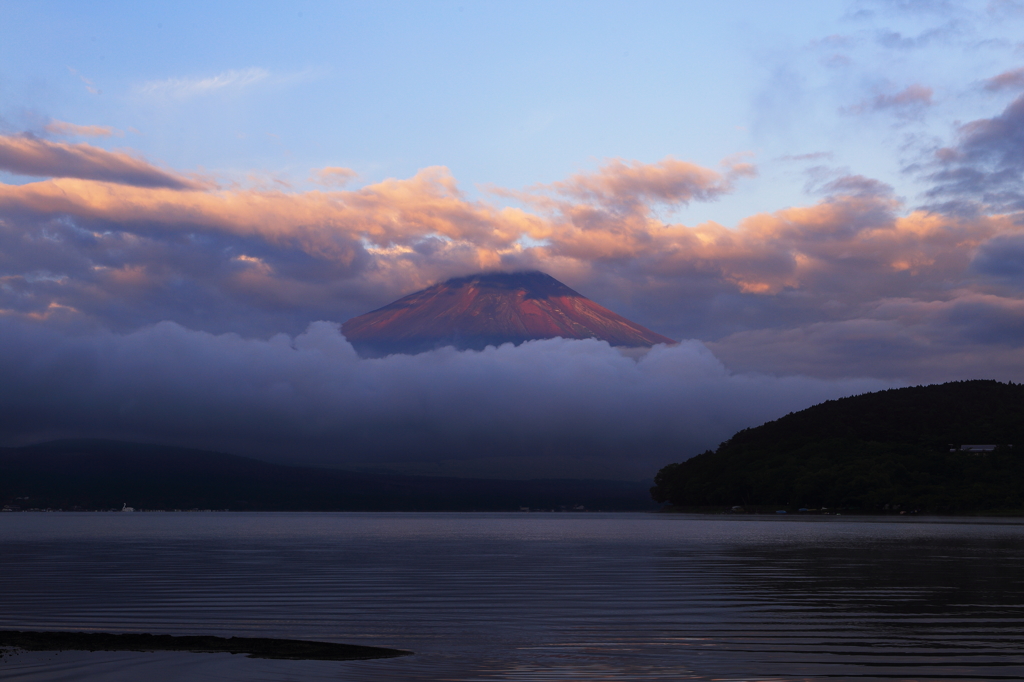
{"x": 984, "y": 170}
{"x": 1002, "y": 257}
{"x": 987, "y": 321}
{"x": 977, "y": 338}
{"x": 545, "y": 408}
{"x": 858, "y": 186}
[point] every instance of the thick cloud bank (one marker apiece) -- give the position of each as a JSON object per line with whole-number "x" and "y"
{"x": 545, "y": 408}
{"x": 851, "y": 285}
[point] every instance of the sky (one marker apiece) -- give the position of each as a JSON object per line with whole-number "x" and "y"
{"x": 816, "y": 198}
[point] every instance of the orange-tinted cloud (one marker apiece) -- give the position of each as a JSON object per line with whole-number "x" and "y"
{"x": 908, "y": 102}
{"x": 624, "y": 185}
{"x": 25, "y": 155}
{"x": 71, "y": 129}
{"x": 257, "y": 261}
{"x": 333, "y": 176}
{"x": 910, "y": 96}
{"x": 1013, "y": 79}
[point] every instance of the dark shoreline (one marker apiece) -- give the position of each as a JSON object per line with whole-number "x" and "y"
{"x": 772, "y": 512}
{"x": 253, "y": 647}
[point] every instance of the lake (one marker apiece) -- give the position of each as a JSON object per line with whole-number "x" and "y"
{"x": 528, "y": 596}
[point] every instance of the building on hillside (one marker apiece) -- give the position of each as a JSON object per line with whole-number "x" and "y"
{"x": 974, "y": 448}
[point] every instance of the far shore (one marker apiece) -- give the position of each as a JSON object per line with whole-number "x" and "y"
{"x": 253, "y": 647}
{"x": 783, "y": 511}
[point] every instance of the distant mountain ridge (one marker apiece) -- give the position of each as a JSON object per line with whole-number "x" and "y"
{"x": 103, "y": 474}
{"x": 491, "y": 309}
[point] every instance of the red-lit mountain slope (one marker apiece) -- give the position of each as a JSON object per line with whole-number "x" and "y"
{"x": 490, "y": 309}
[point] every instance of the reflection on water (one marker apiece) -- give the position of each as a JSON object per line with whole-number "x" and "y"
{"x": 518, "y": 597}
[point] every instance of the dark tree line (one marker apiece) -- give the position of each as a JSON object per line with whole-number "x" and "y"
{"x": 868, "y": 451}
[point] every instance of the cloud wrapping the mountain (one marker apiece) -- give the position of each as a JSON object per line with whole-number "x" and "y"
{"x": 546, "y": 408}
{"x": 851, "y": 285}
{"x": 138, "y": 304}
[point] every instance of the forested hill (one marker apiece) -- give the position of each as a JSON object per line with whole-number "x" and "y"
{"x": 868, "y": 451}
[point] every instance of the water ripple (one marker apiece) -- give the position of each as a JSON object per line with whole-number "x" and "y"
{"x": 523, "y": 597}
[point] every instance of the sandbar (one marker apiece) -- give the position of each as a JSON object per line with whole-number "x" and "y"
{"x": 253, "y": 647}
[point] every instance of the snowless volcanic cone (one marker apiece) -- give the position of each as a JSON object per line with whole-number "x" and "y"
{"x": 489, "y": 310}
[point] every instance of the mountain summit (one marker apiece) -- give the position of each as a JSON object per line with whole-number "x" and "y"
{"x": 489, "y": 310}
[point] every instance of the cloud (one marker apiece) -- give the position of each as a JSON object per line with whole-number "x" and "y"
{"x": 258, "y": 261}
{"x": 71, "y": 129}
{"x": 1003, "y": 257}
{"x": 26, "y": 155}
{"x": 857, "y": 186}
{"x": 390, "y": 213}
{"x": 612, "y": 211}
{"x": 984, "y": 170}
{"x": 546, "y": 408}
{"x": 813, "y": 156}
{"x": 89, "y": 85}
{"x": 907, "y": 102}
{"x": 944, "y": 33}
{"x": 333, "y": 176}
{"x": 1013, "y": 79}
{"x": 323, "y": 254}
{"x": 967, "y": 335}
{"x": 625, "y": 186}
{"x": 912, "y": 95}
{"x": 184, "y": 88}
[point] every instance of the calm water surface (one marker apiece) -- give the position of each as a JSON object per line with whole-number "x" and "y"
{"x": 503, "y": 597}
